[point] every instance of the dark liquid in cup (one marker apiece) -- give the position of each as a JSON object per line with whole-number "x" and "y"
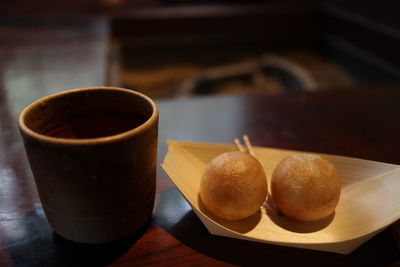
{"x": 94, "y": 126}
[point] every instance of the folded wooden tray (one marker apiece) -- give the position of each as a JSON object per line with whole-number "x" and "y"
{"x": 369, "y": 202}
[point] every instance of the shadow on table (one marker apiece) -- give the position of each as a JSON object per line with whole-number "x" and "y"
{"x": 34, "y": 243}
{"x": 186, "y": 227}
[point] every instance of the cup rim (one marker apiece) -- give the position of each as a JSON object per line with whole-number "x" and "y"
{"x": 87, "y": 141}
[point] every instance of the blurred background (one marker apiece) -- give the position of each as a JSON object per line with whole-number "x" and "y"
{"x": 187, "y": 48}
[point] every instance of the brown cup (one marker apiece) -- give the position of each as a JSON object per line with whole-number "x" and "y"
{"x": 93, "y": 154}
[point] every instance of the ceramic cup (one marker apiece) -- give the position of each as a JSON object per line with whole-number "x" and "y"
{"x": 93, "y": 154}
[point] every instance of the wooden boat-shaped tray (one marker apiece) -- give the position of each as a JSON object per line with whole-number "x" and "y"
{"x": 369, "y": 202}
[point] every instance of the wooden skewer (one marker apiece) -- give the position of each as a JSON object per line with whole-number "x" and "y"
{"x": 248, "y": 148}
{"x": 248, "y": 145}
{"x": 269, "y": 204}
{"x": 239, "y": 145}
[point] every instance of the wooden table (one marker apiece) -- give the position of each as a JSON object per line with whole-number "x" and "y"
{"x": 361, "y": 123}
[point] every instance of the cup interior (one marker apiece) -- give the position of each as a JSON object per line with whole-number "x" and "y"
{"x": 88, "y": 113}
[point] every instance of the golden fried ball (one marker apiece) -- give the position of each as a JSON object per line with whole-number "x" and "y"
{"x": 233, "y": 186}
{"x": 305, "y": 187}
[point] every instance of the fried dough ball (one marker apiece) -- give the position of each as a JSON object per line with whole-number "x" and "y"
{"x": 233, "y": 186}
{"x": 305, "y": 187}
